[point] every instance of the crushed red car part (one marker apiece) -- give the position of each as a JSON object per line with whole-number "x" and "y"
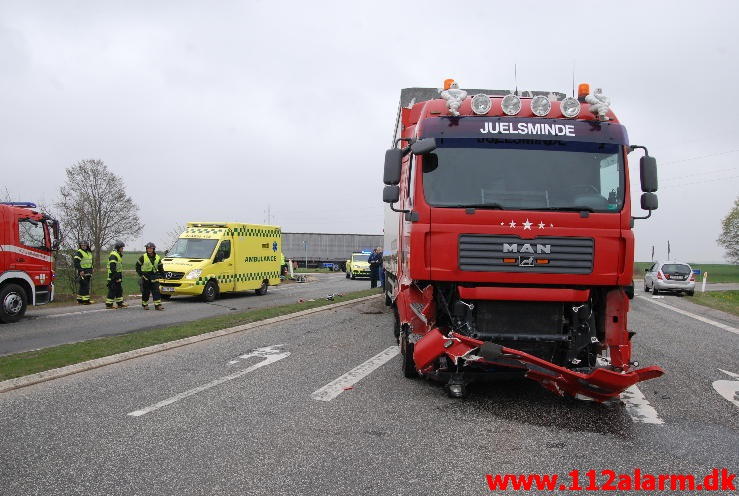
{"x": 602, "y": 384}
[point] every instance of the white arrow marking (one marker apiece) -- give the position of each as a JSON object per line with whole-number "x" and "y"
{"x": 638, "y": 407}
{"x": 259, "y": 352}
{"x": 337, "y": 386}
{"x": 728, "y": 389}
{"x": 270, "y": 353}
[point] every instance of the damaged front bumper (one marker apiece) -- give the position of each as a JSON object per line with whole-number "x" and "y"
{"x": 600, "y": 383}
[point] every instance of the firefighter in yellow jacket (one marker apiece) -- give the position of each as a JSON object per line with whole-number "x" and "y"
{"x": 149, "y": 268}
{"x": 83, "y": 266}
{"x": 115, "y": 277}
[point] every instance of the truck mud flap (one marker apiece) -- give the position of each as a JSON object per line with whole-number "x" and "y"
{"x": 602, "y": 384}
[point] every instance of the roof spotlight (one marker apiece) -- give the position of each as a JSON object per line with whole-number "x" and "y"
{"x": 511, "y": 104}
{"x": 481, "y": 104}
{"x": 570, "y": 107}
{"x": 540, "y": 105}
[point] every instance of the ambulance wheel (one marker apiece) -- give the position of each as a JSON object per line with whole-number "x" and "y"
{"x": 13, "y": 303}
{"x": 406, "y": 350}
{"x": 210, "y": 292}
{"x": 262, "y": 289}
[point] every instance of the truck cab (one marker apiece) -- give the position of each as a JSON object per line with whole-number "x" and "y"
{"x": 509, "y": 226}
{"x": 28, "y": 239}
{"x": 211, "y": 258}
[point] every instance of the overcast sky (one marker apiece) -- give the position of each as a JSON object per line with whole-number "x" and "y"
{"x": 219, "y": 110}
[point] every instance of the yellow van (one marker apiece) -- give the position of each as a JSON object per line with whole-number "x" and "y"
{"x": 211, "y": 258}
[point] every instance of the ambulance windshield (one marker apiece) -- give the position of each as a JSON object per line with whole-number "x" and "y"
{"x": 192, "y": 248}
{"x": 524, "y": 175}
{"x": 360, "y": 258}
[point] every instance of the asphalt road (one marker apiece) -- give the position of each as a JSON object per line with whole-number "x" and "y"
{"x": 212, "y": 419}
{"x": 45, "y": 327}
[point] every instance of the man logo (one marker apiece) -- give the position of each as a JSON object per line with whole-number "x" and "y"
{"x": 526, "y": 248}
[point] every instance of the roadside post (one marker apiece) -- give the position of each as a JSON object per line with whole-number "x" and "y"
{"x": 703, "y": 286}
{"x": 290, "y": 264}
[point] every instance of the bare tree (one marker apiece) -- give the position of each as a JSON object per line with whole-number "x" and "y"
{"x": 729, "y": 238}
{"x": 172, "y": 236}
{"x": 93, "y": 206}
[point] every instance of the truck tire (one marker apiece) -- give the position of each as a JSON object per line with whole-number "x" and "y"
{"x": 408, "y": 365}
{"x": 13, "y": 303}
{"x": 210, "y": 291}
{"x": 262, "y": 289}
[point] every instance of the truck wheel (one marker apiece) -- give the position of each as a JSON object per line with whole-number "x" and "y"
{"x": 13, "y": 303}
{"x": 262, "y": 289}
{"x": 408, "y": 365}
{"x": 210, "y": 292}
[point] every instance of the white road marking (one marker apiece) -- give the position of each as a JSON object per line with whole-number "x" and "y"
{"x": 639, "y": 408}
{"x": 81, "y": 312}
{"x": 259, "y": 352}
{"x": 338, "y": 386}
{"x": 271, "y": 354}
{"x": 725, "y": 327}
{"x": 728, "y": 389}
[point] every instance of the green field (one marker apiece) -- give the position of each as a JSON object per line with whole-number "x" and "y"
{"x": 716, "y": 272}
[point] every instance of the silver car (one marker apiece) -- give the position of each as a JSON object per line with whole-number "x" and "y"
{"x": 676, "y": 277}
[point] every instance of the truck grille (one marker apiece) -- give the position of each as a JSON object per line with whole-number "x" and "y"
{"x": 485, "y": 253}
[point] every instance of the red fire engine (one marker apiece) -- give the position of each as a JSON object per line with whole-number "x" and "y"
{"x": 27, "y": 241}
{"x": 508, "y": 238}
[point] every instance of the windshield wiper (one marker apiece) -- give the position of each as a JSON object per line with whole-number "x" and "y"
{"x": 492, "y": 206}
{"x": 576, "y": 208}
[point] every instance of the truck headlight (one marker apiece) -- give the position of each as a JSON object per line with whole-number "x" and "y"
{"x": 511, "y": 104}
{"x": 194, "y": 274}
{"x": 481, "y": 104}
{"x": 540, "y": 105}
{"x": 570, "y": 107}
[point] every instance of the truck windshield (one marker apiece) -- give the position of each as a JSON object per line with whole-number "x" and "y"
{"x": 192, "y": 248}
{"x": 524, "y": 175}
{"x": 360, "y": 258}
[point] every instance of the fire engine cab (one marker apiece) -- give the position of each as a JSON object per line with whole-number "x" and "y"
{"x": 28, "y": 239}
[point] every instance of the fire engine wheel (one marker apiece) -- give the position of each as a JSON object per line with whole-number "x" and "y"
{"x": 13, "y": 303}
{"x": 210, "y": 292}
{"x": 263, "y": 288}
{"x": 406, "y": 350}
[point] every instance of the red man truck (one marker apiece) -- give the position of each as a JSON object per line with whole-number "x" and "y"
{"x": 508, "y": 238}
{"x": 27, "y": 241}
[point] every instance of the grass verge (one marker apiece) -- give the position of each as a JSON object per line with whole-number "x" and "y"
{"x": 726, "y": 301}
{"x": 31, "y": 362}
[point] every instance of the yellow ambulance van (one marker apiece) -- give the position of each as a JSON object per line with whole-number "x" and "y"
{"x": 211, "y": 258}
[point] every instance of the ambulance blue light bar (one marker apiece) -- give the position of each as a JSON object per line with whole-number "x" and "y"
{"x": 20, "y": 204}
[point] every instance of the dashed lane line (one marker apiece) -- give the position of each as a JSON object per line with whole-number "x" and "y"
{"x": 638, "y": 407}
{"x": 720, "y": 325}
{"x": 339, "y": 385}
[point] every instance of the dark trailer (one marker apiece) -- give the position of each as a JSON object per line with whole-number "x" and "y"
{"x": 317, "y": 249}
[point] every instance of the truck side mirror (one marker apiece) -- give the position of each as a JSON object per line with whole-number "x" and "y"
{"x": 649, "y": 201}
{"x": 391, "y": 193}
{"x": 648, "y": 174}
{"x": 393, "y": 161}
{"x": 423, "y": 146}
